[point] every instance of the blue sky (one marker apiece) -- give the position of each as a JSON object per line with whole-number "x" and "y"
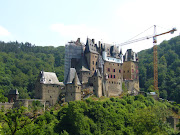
{"x": 55, "y": 22}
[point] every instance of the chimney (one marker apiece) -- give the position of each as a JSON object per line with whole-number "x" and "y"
{"x": 93, "y": 41}
{"x": 100, "y": 47}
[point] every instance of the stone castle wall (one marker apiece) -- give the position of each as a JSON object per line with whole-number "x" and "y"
{"x": 6, "y": 105}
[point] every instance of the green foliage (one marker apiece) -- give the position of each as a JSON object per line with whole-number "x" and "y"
{"x": 21, "y": 64}
{"x": 2, "y": 97}
{"x": 168, "y": 69}
{"x": 130, "y": 115}
{"x": 15, "y": 120}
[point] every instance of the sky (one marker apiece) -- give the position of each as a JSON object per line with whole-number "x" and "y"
{"x": 55, "y": 22}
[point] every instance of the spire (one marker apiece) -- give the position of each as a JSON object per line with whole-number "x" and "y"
{"x": 75, "y": 80}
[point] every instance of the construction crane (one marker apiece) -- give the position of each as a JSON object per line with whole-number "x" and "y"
{"x": 155, "y": 58}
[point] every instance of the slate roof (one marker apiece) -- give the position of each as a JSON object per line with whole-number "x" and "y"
{"x": 82, "y": 65}
{"x": 49, "y": 78}
{"x": 71, "y": 77}
{"x": 13, "y": 92}
{"x": 97, "y": 73}
{"x": 112, "y": 50}
{"x": 90, "y": 46}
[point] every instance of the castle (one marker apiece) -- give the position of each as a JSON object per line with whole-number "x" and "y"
{"x": 90, "y": 69}
{"x": 99, "y": 68}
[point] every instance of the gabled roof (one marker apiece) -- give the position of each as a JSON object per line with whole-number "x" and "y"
{"x": 72, "y": 77}
{"x": 49, "y": 78}
{"x": 90, "y": 46}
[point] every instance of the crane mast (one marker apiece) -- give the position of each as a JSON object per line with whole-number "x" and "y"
{"x": 155, "y": 60}
{"x": 155, "y": 54}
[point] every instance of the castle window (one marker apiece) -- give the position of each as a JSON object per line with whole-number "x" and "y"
{"x": 50, "y": 97}
{"x": 119, "y": 70}
{"x": 108, "y": 69}
{"x": 124, "y": 71}
{"x": 132, "y": 70}
{"x": 114, "y": 70}
{"x": 118, "y": 64}
{"x": 71, "y": 94}
{"x": 96, "y": 63}
{"x": 112, "y": 82}
{"x": 128, "y": 71}
{"x": 49, "y": 79}
{"x": 93, "y": 69}
{"x": 93, "y": 62}
{"x": 119, "y": 83}
{"x": 114, "y": 76}
{"x": 111, "y": 76}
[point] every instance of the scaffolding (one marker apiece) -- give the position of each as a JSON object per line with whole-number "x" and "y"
{"x": 72, "y": 50}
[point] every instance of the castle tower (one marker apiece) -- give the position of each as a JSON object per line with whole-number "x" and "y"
{"x": 130, "y": 71}
{"x": 48, "y": 87}
{"x": 13, "y": 95}
{"x": 72, "y": 86}
{"x": 112, "y": 70}
{"x": 96, "y": 80}
{"x": 91, "y": 54}
{"x": 130, "y": 66}
{"x": 73, "y": 51}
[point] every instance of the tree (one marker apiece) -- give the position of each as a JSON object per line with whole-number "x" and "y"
{"x": 14, "y": 120}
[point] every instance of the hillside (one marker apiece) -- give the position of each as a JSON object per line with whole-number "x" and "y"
{"x": 168, "y": 69}
{"x": 22, "y": 62}
{"x": 130, "y": 115}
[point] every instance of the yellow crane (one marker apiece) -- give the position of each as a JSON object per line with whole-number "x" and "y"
{"x": 155, "y": 58}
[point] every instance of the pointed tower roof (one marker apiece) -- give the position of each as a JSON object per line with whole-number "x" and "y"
{"x": 90, "y": 46}
{"x": 72, "y": 77}
{"x": 97, "y": 73}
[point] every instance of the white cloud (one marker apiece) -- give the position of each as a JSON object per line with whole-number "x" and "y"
{"x": 135, "y": 16}
{"x": 4, "y": 32}
{"x": 72, "y": 32}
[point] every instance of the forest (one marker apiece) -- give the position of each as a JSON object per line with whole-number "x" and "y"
{"x": 22, "y": 62}
{"x": 168, "y": 69}
{"x": 130, "y": 115}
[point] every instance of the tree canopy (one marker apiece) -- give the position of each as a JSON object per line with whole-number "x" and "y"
{"x": 168, "y": 69}
{"x": 21, "y": 64}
